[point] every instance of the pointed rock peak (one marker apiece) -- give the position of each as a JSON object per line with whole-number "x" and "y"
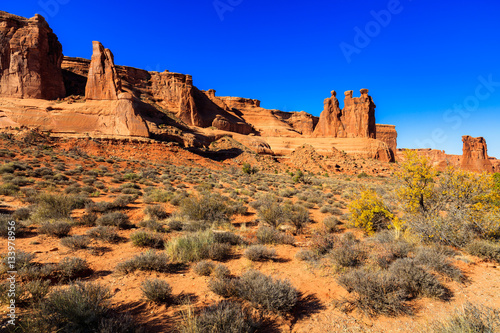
{"x": 103, "y": 82}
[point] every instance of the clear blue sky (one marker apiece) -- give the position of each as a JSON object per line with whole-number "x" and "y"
{"x": 419, "y": 61}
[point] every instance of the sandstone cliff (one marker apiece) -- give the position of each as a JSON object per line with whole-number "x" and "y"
{"x": 475, "y": 155}
{"x": 30, "y": 58}
{"x": 388, "y": 134}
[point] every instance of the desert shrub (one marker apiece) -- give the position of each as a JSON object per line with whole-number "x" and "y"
{"x": 225, "y": 316}
{"x": 267, "y": 235}
{"x": 204, "y": 268}
{"x": 55, "y": 228}
{"x": 22, "y": 261}
{"x": 78, "y": 308}
{"x": 157, "y": 195}
{"x": 56, "y": 206}
{"x": 178, "y": 197}
{"x": 260, "y": 253}
{"x": 298, "y": 217}
{"x": 374, "y": 293}
{"x": 147, "y": 239}
{"x": 122, "y": 201}
{"x": 370, "y": 213}
{"x": 347, "y": 252}
{"x": 87, "y": 219}
{"x": 221, "y": 271}
{"x": 248, "y": 169}
{"x": 209, "y": 207}
{"x": 114, "y": 219}
{"x": 467, "y": 319}
{"x": 331, "y": 224}
{"x": 156, "y": 290}
{"x": 485, "y": 249}
{"x": 106, "y": 234}
{"x": 21, "y": 214}
{"x": 415, "y": 281}
{"x": 301, "y": 177}
{"x": 146, "y": 261}
{"x": 271, "y": 211}
{"x": 224, "y": 286}
{"x": 76, "y": 242}
{"x": 73, "y": 267}
{"x": 264, "y": 292}
{"x": 306, "y": 255}
{"x": 175, "y": 224}
{"x": 9, "y": 227}
{"x": 435, "y": 260}
{"x": 152, "y": 225}
{"x": 321, "y": 243}
{"x": 38, "y": 289}
{"x": 196, "y": 247}
{"x": 156, "y": 212}
{"x": 9, "y": 189}
{"x": 227, "y": 238}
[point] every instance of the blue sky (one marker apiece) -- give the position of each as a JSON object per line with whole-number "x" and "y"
{"x": 432, "y": 67}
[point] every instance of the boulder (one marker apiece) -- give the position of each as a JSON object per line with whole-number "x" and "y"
{"x": 102, "y": 83}
{"x": 30, "y": 58}
{"x": 475, "y": 155}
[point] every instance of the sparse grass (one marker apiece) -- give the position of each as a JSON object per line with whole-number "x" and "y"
{"x": 147, "y": 239}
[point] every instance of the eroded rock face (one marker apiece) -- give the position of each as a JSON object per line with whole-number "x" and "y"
{"x": 102, "y": 83}
{"x": 330, "y": 121}
{"x": 475, "y": 155}
{"x": 30, "y": 58}
{"x": 358, "y": 115}
{"x": 388, "y": 134}
{"x": 355, "y": 120}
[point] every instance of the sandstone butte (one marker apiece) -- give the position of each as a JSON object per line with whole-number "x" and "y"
{"x": 42, "y": 89}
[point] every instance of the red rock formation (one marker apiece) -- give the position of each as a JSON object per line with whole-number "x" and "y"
{"x": 30, "y": 58}
{"x": 302, "y": 122}
{"x": 438, "y": 158}
{"x": 102, "y": 83}
{"x": 388, "y": 134}
{"x": 330, "y": 123}
{"x": 358, "y": 115}
{"x": 475, "y": 155}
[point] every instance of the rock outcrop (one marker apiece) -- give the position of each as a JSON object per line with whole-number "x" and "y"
{"x": 102, "y": 83}
{"x": 30, "y": 58}
{"x": 358, "y": 115}
{"x": 475, "y": 155}
{"x": 388, "y": 134}
{"x": 355, "y": 120}
{"x": 330, "y": 121}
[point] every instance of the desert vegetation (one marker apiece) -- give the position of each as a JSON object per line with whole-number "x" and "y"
{"x": 241, "y": 248}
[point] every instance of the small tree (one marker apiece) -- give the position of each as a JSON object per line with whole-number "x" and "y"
{"x": 371, "y": 214}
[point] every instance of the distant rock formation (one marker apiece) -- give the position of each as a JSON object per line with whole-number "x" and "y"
{"x": 389, "y": 135}
{"x": 355, "y": 120}
{"x": 358, "y": 115}
{"x": 475, "y": 155}
{"x": 30, "y": 58}
{"x": 330, "y": 121}
{"x": 102, "y": 83}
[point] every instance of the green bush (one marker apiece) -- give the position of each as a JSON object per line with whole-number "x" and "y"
{"x": 147, "y": 239}
{"x": 209, "y": 207}
{"x": 156, "y": 290}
